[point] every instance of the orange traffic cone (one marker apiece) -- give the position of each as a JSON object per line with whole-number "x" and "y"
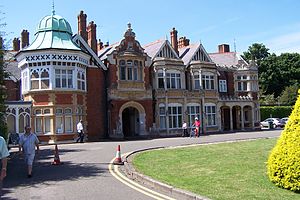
{"x": 118, "y": 159}
{"x": 56, "y": 157}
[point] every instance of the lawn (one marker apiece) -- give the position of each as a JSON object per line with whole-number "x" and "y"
{"x": 218, "y": 171}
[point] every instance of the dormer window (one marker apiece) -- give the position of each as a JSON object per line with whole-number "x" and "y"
{"x": 131, "y": 70}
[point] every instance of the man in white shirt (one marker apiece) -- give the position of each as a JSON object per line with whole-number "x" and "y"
{"x": 3, "y": 156}
{"x": 80, "y": 132}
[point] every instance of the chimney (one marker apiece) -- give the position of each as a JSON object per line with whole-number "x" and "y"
{"x": 100, "y": 45}
{"x": 25, "y": 38}
{"x": 224, "y": 48}
{"x": 16, "y": 44}
{"x": 183, "y": 42}
{"x": 82, "y": 25}
{"x": 174, "y": 42}
{"x": 106, "y": 45}
{"x": 92, "y": 40}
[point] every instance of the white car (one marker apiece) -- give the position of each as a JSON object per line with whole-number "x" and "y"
{"x": 276, "y": 122}
{"x": 285, "y": 119}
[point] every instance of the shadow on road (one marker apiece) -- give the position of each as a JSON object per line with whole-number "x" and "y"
{"x": 45, "y": 173}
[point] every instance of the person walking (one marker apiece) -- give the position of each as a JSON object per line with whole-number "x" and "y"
{"x": 184, "y": 129}
{"x": 197, "y": 127}
{"x": 80, "y": 132}
{"x": 28, "y": 142}
{"x": 3, "y": 155}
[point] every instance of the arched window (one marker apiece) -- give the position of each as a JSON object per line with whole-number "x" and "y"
{"x": 39, "y": 78}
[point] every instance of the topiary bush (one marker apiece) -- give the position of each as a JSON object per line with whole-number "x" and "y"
{"x": 283, "y": 165}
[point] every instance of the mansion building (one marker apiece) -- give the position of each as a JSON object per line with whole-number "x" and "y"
{"x": 124, "y": 89}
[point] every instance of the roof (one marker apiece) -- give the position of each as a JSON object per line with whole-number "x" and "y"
{"x": 102, "y": 54}
{"x": 152, "y": 48}
{"x": 53, "y": 32}
{"x": 12, "y": 66}
{"x": 227, "y": 59}
{"x": 186, "y": 53}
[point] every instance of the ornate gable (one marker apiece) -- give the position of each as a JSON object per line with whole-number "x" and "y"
{"x": 166, "y": 51}
{"x": 201, "y": 55}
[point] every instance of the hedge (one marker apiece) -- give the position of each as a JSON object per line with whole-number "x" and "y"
{"x": 275, "y": 111}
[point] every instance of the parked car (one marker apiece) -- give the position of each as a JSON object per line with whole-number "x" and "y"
{"x": 276, "y": 122}
{"x": 285, "y": 119}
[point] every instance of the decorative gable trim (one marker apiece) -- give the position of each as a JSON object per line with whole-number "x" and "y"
{"x": 166, "y": 51}
{"x": 200, "y": 55}
{"x": 79, "y": 40}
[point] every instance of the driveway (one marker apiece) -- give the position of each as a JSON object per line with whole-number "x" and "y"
{"x": 84, "y": 173}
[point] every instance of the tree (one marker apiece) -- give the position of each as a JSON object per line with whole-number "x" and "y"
{"x": 283, "y": 164}
{"x": 3, "y": 74}
{"x": 256, "y": 52}
{"x": 289, "y": 95}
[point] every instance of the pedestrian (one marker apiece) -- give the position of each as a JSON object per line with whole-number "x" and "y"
{"x": 3, "y": 155}
{"x": 184, "y": 129}
{"x": 28, "y": 142}
{"x": 80, "y": 132}
{"x": 197, "y": 127}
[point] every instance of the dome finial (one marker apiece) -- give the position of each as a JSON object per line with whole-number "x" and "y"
{"x": 129, "y": 25}
{"x": 53, "y": 10}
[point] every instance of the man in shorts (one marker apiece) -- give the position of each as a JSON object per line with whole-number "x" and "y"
{"x": 27, "y": 143}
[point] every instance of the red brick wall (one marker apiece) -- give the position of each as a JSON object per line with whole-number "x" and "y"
{"x": 63, "y": 99}
{"x": 13, "y": 90}
{"x": 79, "y": 99}
{"x": 96, "y": 106}
{"x": 230, "y": 82}
{"x": 40, "y": 99}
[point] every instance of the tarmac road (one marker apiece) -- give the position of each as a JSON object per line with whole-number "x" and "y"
{"x": 84, "y": 173}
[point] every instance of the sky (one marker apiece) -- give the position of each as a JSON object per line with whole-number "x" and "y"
{"x": 239, "y": 23}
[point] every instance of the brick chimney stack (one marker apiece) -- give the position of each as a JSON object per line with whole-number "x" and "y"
{"x": 82, "y": 25}
{"x": 16, "y": 44}
{"x": 174, "y": 41}
{"x": 92, "y": 40}
{"x": 100, "y": 45}
{"x": 25, "y": 38}
{"x": 183, "y": 42}
{"x": 224, "y": 48}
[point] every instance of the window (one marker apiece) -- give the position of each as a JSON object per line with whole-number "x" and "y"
{"x": 242, "y": 86}
{"x": 160, "y": 77}
{"x": 59, "y": 120}
{"x": 63, "y": 78}
{"x": 68, "y": 120}
{"x": 175, "y": 116}
{"x": 39, "y": 78}
{"x": 38, "y": 125}
{"x": 130, "y": 70}
{"x": 208, "y": 82}
{"x": 196, "y": 81}
{"x": 193, "y": 112}
{"x": 222, "y": 86}
{"x": 162, "y": 116}
{"x": 210, "y": 111}
{"x": 173, "y": 80}
{"x": 80, "y": 80}
{"x": 25, "y": 81}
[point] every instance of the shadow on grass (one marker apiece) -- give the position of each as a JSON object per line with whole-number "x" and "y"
{"x": 45, "y": 173}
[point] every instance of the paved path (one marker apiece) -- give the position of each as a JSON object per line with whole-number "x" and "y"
{"x": 85, "y": 174}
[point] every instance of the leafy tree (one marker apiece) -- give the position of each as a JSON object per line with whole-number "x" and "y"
{"x": 256, "y": 52}
{"x": 3, "y": 126}
{"x": 289, "y": 95}
{"x": 284, "y": 161}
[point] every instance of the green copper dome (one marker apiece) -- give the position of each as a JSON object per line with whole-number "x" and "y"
{"x": 54, "y": 23}
{"x": 53, "y": 32}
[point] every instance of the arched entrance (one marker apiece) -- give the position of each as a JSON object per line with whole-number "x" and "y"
{"x": 225, "y": 116}
{"x": 130, "y": 122}
{"x": 236, "y": 117}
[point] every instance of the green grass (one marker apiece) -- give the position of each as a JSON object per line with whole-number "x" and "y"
{"x": 218, "y": 171}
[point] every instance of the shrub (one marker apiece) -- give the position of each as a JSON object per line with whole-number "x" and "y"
{"x": 284, "y": 161}
{"x": 275, "y": 111}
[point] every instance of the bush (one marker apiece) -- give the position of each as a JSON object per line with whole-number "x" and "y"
{"x": 275, "y": 111}
{"x": 284, "y": 161}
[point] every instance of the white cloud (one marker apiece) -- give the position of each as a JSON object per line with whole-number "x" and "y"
{"x": 289, "y": 42}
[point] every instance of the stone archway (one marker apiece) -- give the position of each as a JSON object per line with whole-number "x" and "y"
{"x": 133, "y": 119}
